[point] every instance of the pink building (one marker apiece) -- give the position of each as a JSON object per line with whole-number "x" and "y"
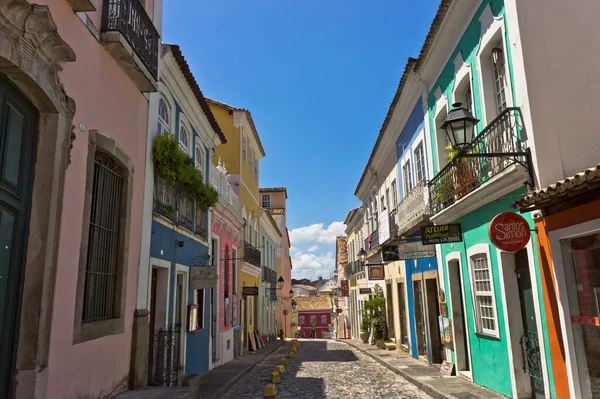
{"x": 75, "y": 78}
{"x": 226, "y": 228}
{"x": 314, "y": 313}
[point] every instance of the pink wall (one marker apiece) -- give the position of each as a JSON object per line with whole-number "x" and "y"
{"x": 107, "y": 100}
{"x": 225, "y": 226}
{"x": 319, "y": 325}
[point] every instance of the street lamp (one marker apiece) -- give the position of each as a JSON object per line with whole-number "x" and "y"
{"x": 280, "y": 282}
{"x": 362, "y": 256}
{"x": 460, "y": 126}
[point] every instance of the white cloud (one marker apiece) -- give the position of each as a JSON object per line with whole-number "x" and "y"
{"x": 315, "y": 233}
{"x": 313, "y": 248}
{"x": 312, "y": 265}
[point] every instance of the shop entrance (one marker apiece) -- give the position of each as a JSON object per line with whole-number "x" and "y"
{"x": 461, "y": 344}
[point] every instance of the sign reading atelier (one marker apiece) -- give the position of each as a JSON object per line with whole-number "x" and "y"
{"x": 441, "y": 234}
{"x": 202, "y": 277}
{"x": 250, "y": 291}
{"x": 509, "y": 232}
{"x": 345, "y": 288}
{"x": 376, "y": 272}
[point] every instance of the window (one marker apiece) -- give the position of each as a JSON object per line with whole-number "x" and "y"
{"x": 185, "y": 212}
{"x": 387, "y": 198}
{"x": 197, "y": 322}
{"x": 184, "y": 138}
{"x": 301, "y": 320}
{"x": 164, "y": 116}
{"x": 250, "y": 158}
{"x": 323, "y": 319}
{"x": 233, "y": 272}
{"x": 382, "y": 203}
{"x": 226, "y": 272}
{"x": 499, "y": 79}
{"x": 407, "y": 175}
{"x": 266, "y": 201}
{"x": 244, "y": 147}
{"x": 105, "y": 227}
{"x": 200, "y": 226}
{"x": 395, "y": 193}
{"x": 256, "y": 169}
{"x": 483, "y": 295}
{"x": 420, "y": 162}
{"x": 468, "y": 95}
{"x": 199, "y": 156}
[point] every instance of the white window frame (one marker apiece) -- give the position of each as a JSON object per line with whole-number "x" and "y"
{"x": 244, "y": 140}
{"x": 476, "y": 252}
{"x": 266, "y": 197}
{"x": 165, "y": 125}
{"x": 420, "y": 172}
{"x": 251, "y": 159}
{"x": 184, "y": 124}
{"x": 395, "y": 193}
{"x": 407, "y": 177}
{"x": 199, "y": 163}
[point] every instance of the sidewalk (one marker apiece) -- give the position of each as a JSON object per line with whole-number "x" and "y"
{"x": 429, "y": 379}
{"x": 210, "y": 385}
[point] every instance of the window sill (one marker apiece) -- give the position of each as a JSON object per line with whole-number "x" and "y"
{"x": 196, "y": 331}
{"x": 88, "y": 331}
{"x": 495, "y": 337}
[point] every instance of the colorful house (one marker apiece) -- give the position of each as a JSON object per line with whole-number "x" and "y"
{"x": 239, "y": 129}
{"x": 267, "y": 299}
{"x": 180, "y": 238}
{"x": 314, "y": 315}
{"x": 226, "y": 228}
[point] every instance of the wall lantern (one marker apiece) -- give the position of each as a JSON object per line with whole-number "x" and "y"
{"x": 460, "y": 126}
{"x": 362, "y": 256}
{"x": 280, "y": 281}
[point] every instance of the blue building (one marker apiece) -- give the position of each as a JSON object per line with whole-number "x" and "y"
{"x": 182, "y": 319}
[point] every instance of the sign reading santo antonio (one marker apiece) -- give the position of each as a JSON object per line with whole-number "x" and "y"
{"x": 509, "y": 232}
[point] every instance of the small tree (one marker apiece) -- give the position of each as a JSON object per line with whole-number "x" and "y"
{"x": 373, "y": 314}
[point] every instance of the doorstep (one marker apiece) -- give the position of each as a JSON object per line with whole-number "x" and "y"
{"x": 429, "y": 379}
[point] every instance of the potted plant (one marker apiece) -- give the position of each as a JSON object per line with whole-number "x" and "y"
{"x": 462, "y": 173}
{"x": 365, "y": 329}
{"x": 374, "y": 314}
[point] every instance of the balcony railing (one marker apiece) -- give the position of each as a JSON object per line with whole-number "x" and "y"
{"x": 185, "y": 212}
{"x": 251, "y": 254}
{"x": 414, "y": 208}
{"x": 129, "y": 18}
{"x": 393, "y": 223}
{"x": 164, "y": 198}
{"x": 200, "y": 228}
{"x": 374, "y": 239}
{"x": 502, "y": 138}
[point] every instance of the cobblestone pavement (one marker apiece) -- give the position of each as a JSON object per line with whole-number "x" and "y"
{"x": 325, "y": 369}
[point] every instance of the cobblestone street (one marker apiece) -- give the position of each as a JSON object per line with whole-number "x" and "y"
{"x": 325, "y": 369}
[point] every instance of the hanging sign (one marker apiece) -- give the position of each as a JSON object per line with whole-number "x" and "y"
{"x": 390, "y": 253}
{"x": 376, "y": 272}
{"x": 250, "y": 291}
{"x": 345, "y": 288}
{"x": 509, "y": 232}
{"x": 384, "y": 226}
{"x": 441, "y": 234}
{"x": 415, "y": 250}
{"x": 364, "y": 291}
{"x": 202, "y": 277}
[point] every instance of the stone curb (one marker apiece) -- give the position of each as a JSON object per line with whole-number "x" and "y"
{"x": 222, "y": 391}
{"x": 423, "y": 386}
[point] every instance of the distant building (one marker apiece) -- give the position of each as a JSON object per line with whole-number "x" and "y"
{"x": 304, "y": 290}
{"x": 314, "y": 313}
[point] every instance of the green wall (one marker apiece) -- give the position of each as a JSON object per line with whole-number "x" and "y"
{"x": 489, "y": 356}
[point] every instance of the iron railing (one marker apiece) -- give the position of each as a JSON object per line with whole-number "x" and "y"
{"x": 164, "y": 198}
{"x": 164, "y": 357}
{"x": 500, "y": 145}
{"x": 251, "y": 254}
{"x": 200, "y": 228}
{"x": 129, "y": 18}
{"x": 393, "y": 223}
{"x": 413, "y": 208}
{"x": 374, "y": 239}
{"x": 532, "y": 363}
{"x": 185, "y": 211}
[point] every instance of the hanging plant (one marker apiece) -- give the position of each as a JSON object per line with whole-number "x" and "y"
{"x": 178, "y": 170}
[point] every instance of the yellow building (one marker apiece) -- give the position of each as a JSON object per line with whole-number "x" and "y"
{"x": 241, "y": 156}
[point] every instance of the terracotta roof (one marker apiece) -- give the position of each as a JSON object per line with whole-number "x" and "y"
{"x": 305, "y": 286}
{"x": 407, "y": 69}
{"x": 273, "y": 190}
{"x": 312, "y": 303}
{"x": 277, "y": 211}
{"x": 566, "y": 187}
{"x": 202, "y": 101}
{"x": 433, "y": 31}
{"x": 231, "y": 108}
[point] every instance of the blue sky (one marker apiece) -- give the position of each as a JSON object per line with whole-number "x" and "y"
{"x": 318, "y": 77}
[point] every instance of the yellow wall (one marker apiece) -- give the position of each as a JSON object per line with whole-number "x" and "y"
{"x": 230, "y": 151}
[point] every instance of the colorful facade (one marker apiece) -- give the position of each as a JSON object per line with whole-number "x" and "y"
{"x": 314, "y": 316}
{"x": 270, "y": 236}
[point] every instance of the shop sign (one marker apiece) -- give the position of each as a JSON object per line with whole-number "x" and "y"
{"x": 390, "y": 253}
{"x": 338, "y": 310}
{"x": 364, "y": 291}
{"x": 441, "y": 234}
{"x": 376, "y": 272}
{"x": 447, "y": 367}
{"x": 345, "y": 288}
{"x": 384, "y": 226}
{"x": 202, "y": 277}
{"x": 250, "y": 291}
{"x": 509, "y": 232}
{"x": 445, "y": 326}
{"x": 415, "y": 250}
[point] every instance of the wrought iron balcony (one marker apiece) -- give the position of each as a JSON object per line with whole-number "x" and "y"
{"x": 414, "y": 209}
{"x": 185, "y": 212}
{"x": 251, "y": 254}
{"x": 374, "y": 243}
{"x": 200, "y": 227}
{"x": 393, "y": 223}
{"x": 164, "y": 199}
{"x": 493, "y": 151}
{"x": 130, "y": 36}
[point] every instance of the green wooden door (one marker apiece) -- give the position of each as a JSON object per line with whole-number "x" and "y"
{"x": 18, "y": 119}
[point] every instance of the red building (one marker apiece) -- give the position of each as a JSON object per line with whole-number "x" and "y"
{"x": 314, "y": 312}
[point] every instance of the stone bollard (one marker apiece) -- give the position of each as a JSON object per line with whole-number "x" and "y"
{"x": 283, "y": 362}
{"x": 275, "y": 378}
{"x": 279, "y": 369}
{"x": 270, "y": 391}
{"x": 292, "y": 355}
{"x": 293, "y": 349}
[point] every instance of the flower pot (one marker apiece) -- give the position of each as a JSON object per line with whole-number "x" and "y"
{"x": 364, "y": 336}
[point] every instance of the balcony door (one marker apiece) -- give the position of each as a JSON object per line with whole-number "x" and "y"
{"x": 18, "y": 120}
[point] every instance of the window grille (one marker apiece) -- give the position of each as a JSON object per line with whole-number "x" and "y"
{"x": 200, "y": 227}
{"x": 266, "y": 201}
{"x": 185, "y": 212}
{"x": 100, "y": 294}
